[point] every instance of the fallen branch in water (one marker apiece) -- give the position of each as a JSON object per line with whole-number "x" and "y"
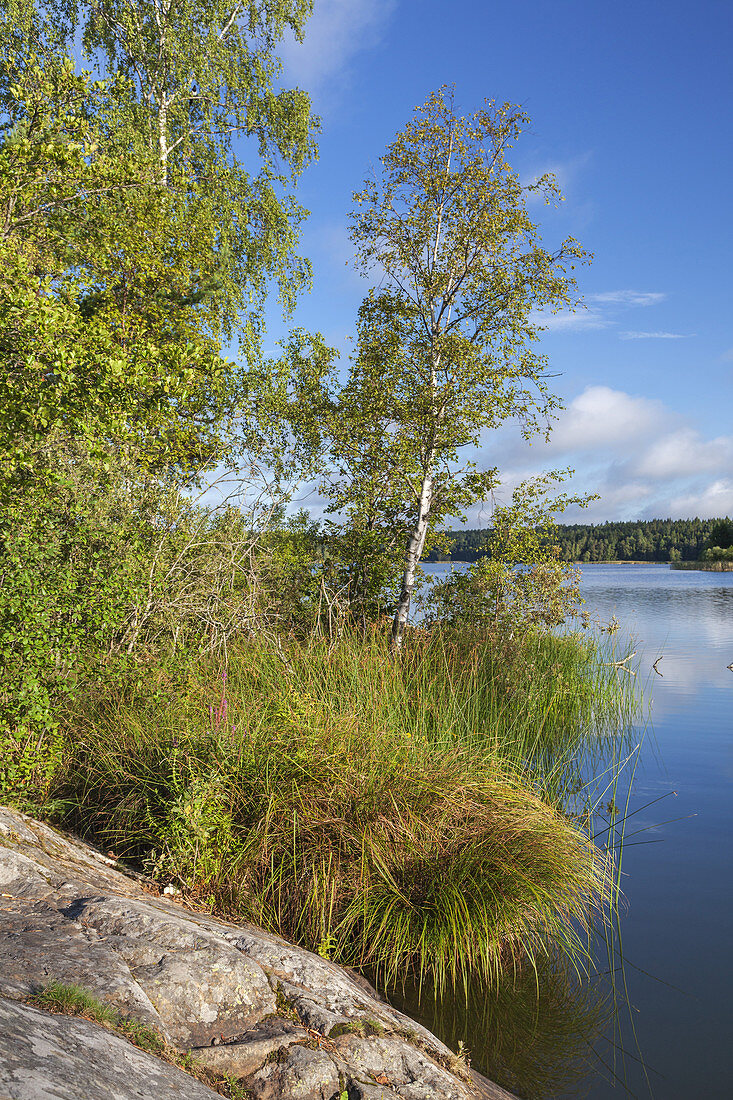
{"x": 622, "y": 664}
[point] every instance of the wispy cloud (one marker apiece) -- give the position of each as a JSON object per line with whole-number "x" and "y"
{"x": 600, "y": 311}
{"x": 628, "y": 298}
{"x": 566, "y": 173}
{"x": 657, "y": 335}
{"x": 336, "y": 32}
{"x": 583, "y": 319}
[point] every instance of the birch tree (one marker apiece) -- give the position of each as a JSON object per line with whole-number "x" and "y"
{"x": 143, "y": 218}
{"x": 227, "y": 141}
{"x": 446, "y": 343}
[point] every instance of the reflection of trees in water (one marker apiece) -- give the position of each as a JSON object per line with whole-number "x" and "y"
{"x": 697, "y": 603}
{"x": 533, "y": 1034}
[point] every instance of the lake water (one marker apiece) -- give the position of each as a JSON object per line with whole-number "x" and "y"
{"x": 671, "y": 1039}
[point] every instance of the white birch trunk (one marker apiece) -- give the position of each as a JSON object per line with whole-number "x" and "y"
{"x": 412, "y": 559}
{"x": 163, "y": 142}
{"x": 414, "y": 552}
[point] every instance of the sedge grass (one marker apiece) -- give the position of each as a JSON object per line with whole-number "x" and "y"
{"x": 401, "y": 816}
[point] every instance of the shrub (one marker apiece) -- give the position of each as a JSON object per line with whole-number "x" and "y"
{"x": 104, "y": 566}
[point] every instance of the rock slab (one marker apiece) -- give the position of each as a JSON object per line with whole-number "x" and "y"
{"x": 288, "y": 1024}
{"x": 45, "y": 1057}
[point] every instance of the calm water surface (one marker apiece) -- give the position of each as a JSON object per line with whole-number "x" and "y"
{"x": 676, "y": 925}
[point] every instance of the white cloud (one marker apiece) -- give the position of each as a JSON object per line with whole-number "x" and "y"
{"x": 582, "y": 320}
{"x": 335, "y": 33}
{"x": 628, "y": 298}
{"x": 601, "y": 417}
{"x": 598, "y": 312}
{"x": 684, "y": 454}
{"x": 715, "y": 499}
{"x": 644, "y": 459}
{"x": 656, "y": 335}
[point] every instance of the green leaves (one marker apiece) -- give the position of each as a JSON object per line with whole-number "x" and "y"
{"x": 132, "y": 238}
{"x": 446, "y": 344}
{"x": 132, "y": 241}
{"x": 201, "y": 75}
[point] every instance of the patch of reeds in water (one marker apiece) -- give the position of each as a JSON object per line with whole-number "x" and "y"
{"x": 402, "y": 816}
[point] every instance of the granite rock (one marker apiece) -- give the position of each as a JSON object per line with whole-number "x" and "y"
{"x": 289, "y": 1024}
{"x": 45, "y": 1057}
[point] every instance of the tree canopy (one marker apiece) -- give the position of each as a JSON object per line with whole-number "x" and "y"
{"x": 134, "y": 238}
{"x": 446, "y": 344}
{"x": 146, "y": 208}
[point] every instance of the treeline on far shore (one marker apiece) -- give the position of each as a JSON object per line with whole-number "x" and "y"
{"x": 638, "y": 540}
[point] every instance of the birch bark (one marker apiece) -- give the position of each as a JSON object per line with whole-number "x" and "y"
{"x": 412, "y": 560}
{"x": 416, "y": 544}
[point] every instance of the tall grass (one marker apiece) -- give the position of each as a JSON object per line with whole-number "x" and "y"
{"x": 406, "y": 816}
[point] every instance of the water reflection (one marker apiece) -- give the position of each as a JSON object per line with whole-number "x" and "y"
{"x": 678, "y": 894}
{"x": 533, "y": 1034}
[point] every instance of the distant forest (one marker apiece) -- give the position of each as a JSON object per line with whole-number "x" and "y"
{"x": 640, "y": 540}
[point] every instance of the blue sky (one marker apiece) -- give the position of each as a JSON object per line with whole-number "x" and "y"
{"x": 630, "y": 105}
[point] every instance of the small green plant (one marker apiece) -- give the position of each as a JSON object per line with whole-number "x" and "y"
{"x": 29, "y": 757}
{"x": 365, "y": 1026}
{"x": 284, "y": 1006}
{"x": 73, "y": 1000}
{"x": 327, "y": 946}
{"x": 461, "y": 1062}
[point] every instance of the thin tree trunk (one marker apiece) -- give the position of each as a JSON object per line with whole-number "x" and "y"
{"x": 163, "y": 142}
{"x": 416, "y": 544}
{"x": 412, "y": 560}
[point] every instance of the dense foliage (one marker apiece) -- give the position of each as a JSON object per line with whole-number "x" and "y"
{"x": 634, "y": 540}
{"x": 132, "y": 241}
{"x": 203, "y": 682}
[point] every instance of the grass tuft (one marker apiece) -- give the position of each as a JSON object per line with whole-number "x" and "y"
{"x": 73, "y": 1000}
{"x": 406, "y": 817}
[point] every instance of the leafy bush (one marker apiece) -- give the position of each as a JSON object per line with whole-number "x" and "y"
{"x": 28, "y": 762}
{"x": 717, "y": 553}
{"x": 104, "y": 565}
{"x": 520, "y": 583}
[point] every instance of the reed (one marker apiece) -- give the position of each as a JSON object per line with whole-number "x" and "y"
{"x": 402, "y": 816}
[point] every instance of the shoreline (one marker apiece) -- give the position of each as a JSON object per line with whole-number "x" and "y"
{"x": 226, "y": 1001}
{"x": 705, "y": 566}
{"x": 614, "y": 561}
